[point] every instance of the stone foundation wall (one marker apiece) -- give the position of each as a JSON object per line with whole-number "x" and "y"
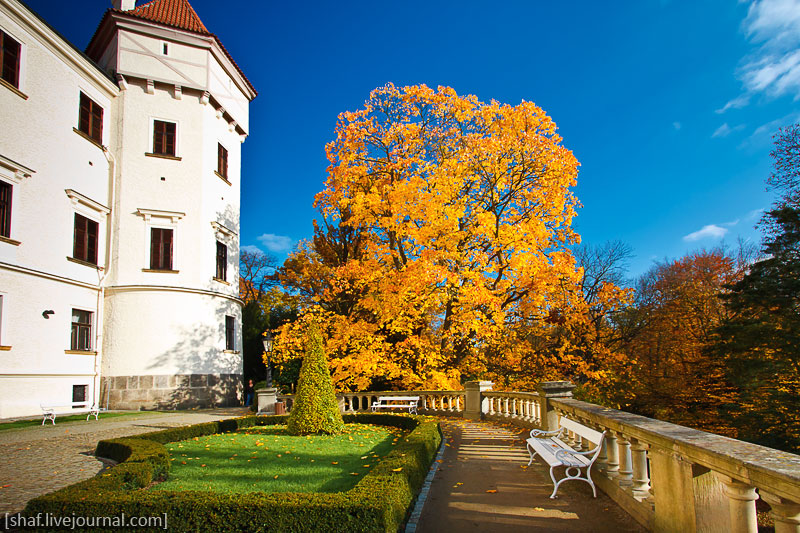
{"x": 184, "y": 391}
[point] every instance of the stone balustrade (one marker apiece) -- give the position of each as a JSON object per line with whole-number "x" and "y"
{"x": 668, "y": 477}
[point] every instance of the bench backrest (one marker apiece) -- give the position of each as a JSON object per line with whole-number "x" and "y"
{"x": 398, "y": 398}
{"x": 585, "y": 432}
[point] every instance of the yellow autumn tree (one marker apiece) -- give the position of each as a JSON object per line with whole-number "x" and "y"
{"x": 446, "y": 226}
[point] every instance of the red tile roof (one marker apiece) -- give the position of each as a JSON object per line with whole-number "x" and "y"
{"x": 178, "y": 14}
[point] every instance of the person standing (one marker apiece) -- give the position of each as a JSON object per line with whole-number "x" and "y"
{"x": 249, "y": 393}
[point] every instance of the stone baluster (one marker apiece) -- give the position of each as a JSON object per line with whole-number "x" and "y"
{"x": 742, "y": 504}
{"x": 505, "y": 406}
{"x": 785, "y": 513}
{"x": 641, "y": 479}
{"x": 450, "y": 403}
{"x": 612, "y": 453}
{"x": 513, "y": 407}
{"x": 625, "y": 478}
{"x": 602, "y": 459}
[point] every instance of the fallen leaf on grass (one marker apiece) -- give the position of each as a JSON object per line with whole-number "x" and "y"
{"x": 276, "y": 476}
{"x": 5, "y": 486}
{"x": 491, "y": 491}
{"x": 538, "y": 509}
{"x": 397, "y": 469}
{"x": 334, "y": 462}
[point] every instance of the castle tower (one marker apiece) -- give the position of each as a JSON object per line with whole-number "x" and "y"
{"x": 172, "y": 317}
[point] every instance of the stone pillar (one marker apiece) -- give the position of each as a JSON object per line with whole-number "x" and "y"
{"x": 785, "y": 513}
{"x": 625, "y": 478}
{"x": 742, "y": 501}
{"x": 474, "y": 409}
{"x": 641, "y": 479}
{"x": 266, "y": 400}
{"x": 673, "y": 490}
{"x": 552, "y": 389}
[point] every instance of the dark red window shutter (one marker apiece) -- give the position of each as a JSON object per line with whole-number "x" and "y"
{"x": 9, "y": 54}
{"x": 160, "y": 249}
{"x": 90, "y": 118}
{"x": 5, "y": 209}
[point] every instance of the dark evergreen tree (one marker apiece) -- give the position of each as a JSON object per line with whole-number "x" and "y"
{"x": 761, "y": 342}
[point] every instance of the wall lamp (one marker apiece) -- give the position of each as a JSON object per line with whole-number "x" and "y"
{"x": 47, "y": 313}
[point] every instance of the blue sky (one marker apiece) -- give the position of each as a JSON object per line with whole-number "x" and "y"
{"x": 669, "y": 106}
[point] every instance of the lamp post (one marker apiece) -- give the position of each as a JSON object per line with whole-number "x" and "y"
{"x": 267, "y": 340}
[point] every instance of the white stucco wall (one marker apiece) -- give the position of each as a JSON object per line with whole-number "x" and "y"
{"x": 157, "y": 332}
{"x": 36, "y": 275}
{"x": 146, "y": 323}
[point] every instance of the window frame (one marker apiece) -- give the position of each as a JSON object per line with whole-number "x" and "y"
{"x": 230, "y": 333}
{"x": 85, "y": 399}
{"x": 89, "y": 119}
{"x": 221, "y": 271}
{"x": 6, "y": 208}
{"x": 87, "y": 256}
{"x": 157, "y": 219}
{"x": 77, "y": 328}
{"x": 4, "y": 36}
{"x": 157, "y": 150}
{"x": 222, "y": 161}
{"x": 157, "y": 260}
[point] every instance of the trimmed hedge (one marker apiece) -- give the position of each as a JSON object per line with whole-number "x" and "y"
{"x": 379, "y": 502}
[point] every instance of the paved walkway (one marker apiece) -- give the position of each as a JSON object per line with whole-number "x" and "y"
{"x": 41, "y": 459}
{"x": 483, "y": 485}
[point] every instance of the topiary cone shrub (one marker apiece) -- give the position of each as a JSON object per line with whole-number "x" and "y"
{"x": 315, "y": 407}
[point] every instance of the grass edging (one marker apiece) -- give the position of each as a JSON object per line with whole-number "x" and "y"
{"x": 379, "y": 502}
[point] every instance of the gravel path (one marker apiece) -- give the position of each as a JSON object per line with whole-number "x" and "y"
{"x": 41, "y": 459}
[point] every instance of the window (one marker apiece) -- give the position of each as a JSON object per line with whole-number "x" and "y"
{"x": 9, "y": 57}
{"x": 222, "y": 261}
{"x": 90, "y": 119}
{"x": 81, "y": 331}
{"x": 165, "y": 49}
{"x": 84, "y": 246}
{"x": 160, "y": 249}
{"x": 230, "y": 333}
{"x": 163, "y": 137}
{"x": 79, "y": 393}
{"x": 222, "y": 161}
{"x": 5, "y": 209}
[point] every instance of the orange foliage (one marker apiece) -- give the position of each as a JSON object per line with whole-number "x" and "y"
{"x": 445, "y": 241}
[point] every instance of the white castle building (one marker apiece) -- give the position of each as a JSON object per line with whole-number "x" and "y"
{"x": 119, "y": 212}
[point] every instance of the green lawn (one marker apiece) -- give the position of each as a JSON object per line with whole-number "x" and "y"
{"x": 268, "y": 459}
{"x": 71, "y": 418}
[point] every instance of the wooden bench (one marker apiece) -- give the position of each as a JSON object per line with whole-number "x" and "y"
{"x": 550, "y": 446}
{"x": 396, "y": 402}
{"x": 49, "y": 412}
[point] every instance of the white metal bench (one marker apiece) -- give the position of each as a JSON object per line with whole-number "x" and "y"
{"x": 396, "y": 402}
{"x": 550, "y": 447}
{"x": 49, "y": 412}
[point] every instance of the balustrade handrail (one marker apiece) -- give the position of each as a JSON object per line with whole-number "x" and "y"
{"x": 757, "y": 465}
{"x": 394, "y": 393}
{"x": 514, "y": 394}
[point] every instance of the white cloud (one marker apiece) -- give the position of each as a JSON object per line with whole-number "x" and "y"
{"x": 722, "y": 131}
{"x": 711, "y": 231}
{"x": 736, "y": 103}
{"x": 676, "y": 125}
{"x": 250, "y": 248}
{"x": 774, "y": 67}
{"x": 725, "y": 130}
{"x": 276, "y": 243}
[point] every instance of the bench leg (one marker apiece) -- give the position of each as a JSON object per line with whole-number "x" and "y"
{"x": 532, "y": 453}
{"x": 569, "y": 477}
